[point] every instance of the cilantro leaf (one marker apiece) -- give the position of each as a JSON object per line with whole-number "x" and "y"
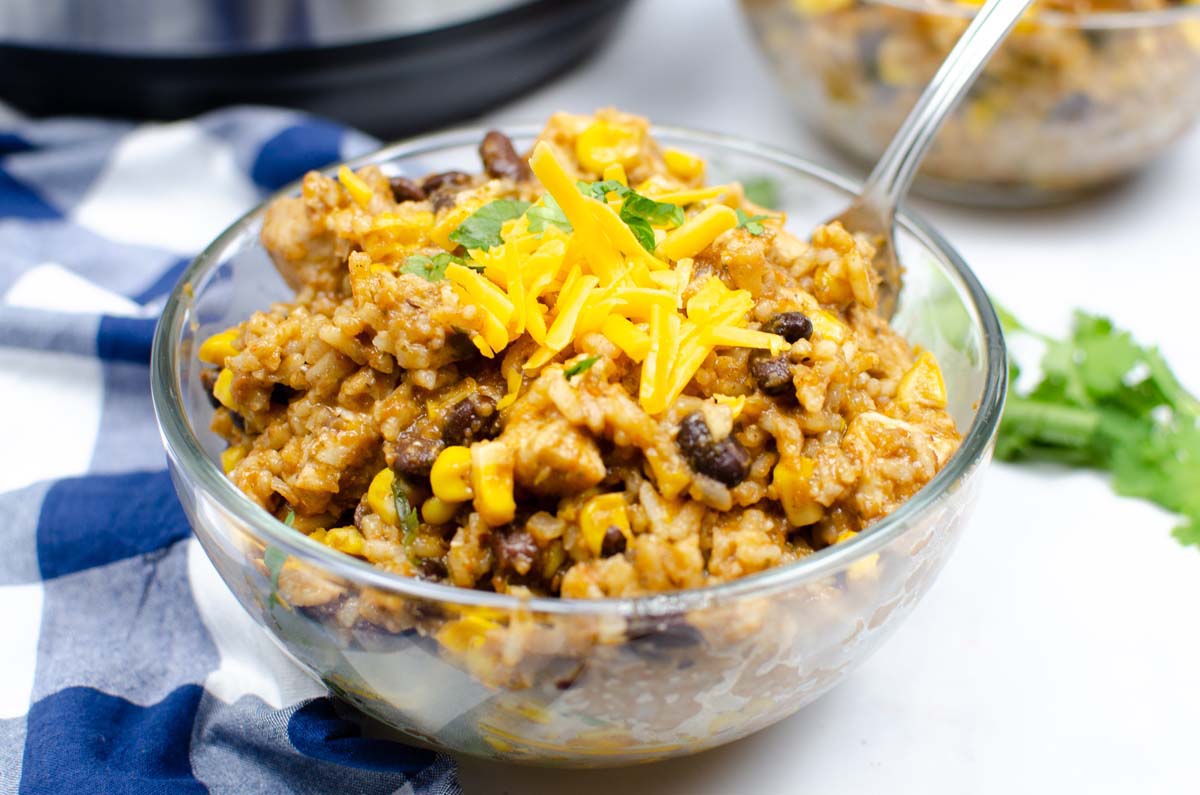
{"x": 763, "y": 191}
{"x": 640, "y": 213}
{"x": 657, "y": 213}
{"x": 482, "y": 227}
{"x": 547, "y": 212}
{"x": 1107, "y": 403}
{"x": 404, "y": 509}
{"x": 641, "y": 230}
{"x": 600, "y": 190}
{"x": 583, "y": 365}
{"x": 751, "y": 223}
{"x": 431, "y": 268}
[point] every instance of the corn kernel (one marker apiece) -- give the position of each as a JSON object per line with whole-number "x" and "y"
{"x": 358, "y": 189}
{"x": 344, "y": 539}
{"x": 223, "y": 389}
{"x": 815, "y": 7}
{"x": 735, "y": 403}
{"x": 615, "y": 172}
{"x": 923, "y": 384}
{"x": 845, "y": 535}
{"x": 697, "y": 232}
{"x": 381, "y": 497}
{"x": 216, "y": 348}
{"x": 604, "y": 143}
{"x": 230, "y": 457}
{"x": 599, "y": 514}
{"x": 828, "y": 326}
{"x": 683, "y": 165}
{"x": 790, "y": 489}
{"x": 450, "y": 477}
{"x": 492, "y": 482}
{"x": 863, "y": 569}
{"x": 319, "y": 534}
{"x": 437, "y": 511}
{"x": 465, "y": 634}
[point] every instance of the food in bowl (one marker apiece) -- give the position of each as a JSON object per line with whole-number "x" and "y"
{"x": 583, "y": 373}
{"x": 1082, "y": 91}
{"x": 581, "y": 682}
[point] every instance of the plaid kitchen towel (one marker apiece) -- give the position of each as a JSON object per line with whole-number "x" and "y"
{"x": 126, "y": 666}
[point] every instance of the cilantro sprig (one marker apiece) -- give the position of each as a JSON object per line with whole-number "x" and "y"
{"x": 431, "y": 268}
{"x": 751, "y": 223}
{"x": 481, "y": 229}
{"x": 1105, "y": 402}
{"x": 547, "y": 212}
{"x": 583, "y": 365}
{"x": 640, "y": 213}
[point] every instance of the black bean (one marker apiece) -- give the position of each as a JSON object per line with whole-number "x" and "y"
{"x": 445, "y": 179}
{"x": 414, "y": 454}
{"x": 1072, "y": 109}
{"x": 282, "y": 393}
{"x": 694, "y": 435}
{"x": 791, "y": 326}
{"x": 405, "y": 190}
{"x": 433, "y": 569}
{"x": 500, "y": 158}
{"x": 469, "y": 420}
{"x": 725, "y": 461}
{"x": 772, "y": 374}
{"x": 614, "y": 542}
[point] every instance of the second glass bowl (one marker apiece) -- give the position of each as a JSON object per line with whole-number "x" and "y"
{"x": 1069, "y": 102}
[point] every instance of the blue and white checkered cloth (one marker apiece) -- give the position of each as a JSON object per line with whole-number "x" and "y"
{"x": 125, "y": 664}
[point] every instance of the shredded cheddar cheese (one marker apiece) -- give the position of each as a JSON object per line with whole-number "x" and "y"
{"x": 595, "y": 277}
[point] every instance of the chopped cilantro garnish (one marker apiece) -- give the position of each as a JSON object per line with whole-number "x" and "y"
{"x": 763, "y": 191}
{"x": 431, "y": 268}
{"x": 583, "y": 365}
{"x": 751, "y": 223}
{"x": 640, "y": 213}
{"x": 482, "y": 227}
{"x": 404, "y": 509}
{"x": 600, "y": 190}
{"x": 547, "y": 212}
{"x": 1106, "y": 402}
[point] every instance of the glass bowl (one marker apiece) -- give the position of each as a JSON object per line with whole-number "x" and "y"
{"x": 582, "y": 682}
{"x": 1069, "y": 102}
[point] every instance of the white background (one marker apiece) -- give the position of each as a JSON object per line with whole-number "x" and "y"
{"x": 1059, "y": 651}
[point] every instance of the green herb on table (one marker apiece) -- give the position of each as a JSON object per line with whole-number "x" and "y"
{"x": 751, "y": 223}
{"x": 431, "y": 268}
{"x": 581, "y": 366}
{"x": 1107, "y": 403}
{"x": 482, "y": 228}
{"x": 762, "y": 191}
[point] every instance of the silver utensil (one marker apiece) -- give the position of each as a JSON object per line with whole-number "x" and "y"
{"x": 873, "y": 213}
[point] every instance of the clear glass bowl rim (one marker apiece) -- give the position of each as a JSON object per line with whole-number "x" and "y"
{"x": 199, "y": 471}
{"x": 1095, "y": 20}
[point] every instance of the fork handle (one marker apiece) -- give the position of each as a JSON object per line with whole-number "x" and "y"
{"x": 890, "y": 178}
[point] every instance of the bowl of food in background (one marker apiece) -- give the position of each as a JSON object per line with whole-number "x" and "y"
{"x": 1082, "y": 93}
{"x": 584, "y": 460}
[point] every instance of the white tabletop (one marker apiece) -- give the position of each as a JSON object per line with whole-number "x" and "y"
{"x": 1059, "y": 651}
